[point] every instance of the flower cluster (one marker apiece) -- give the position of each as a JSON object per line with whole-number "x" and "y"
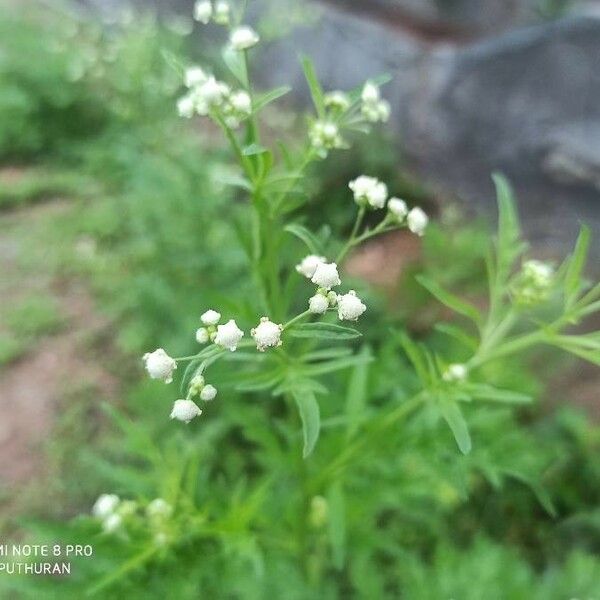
{"x": 325, "y": 275}
{"x": 219, "y": 12}
{"x": 371, "y": 193}
{"x": 116, "y": 515}
{"x": 534, "y": 283}
{"x": 324, "y": 136}
{"x": 374, "y": 108}
{"x": 208, "y": 96}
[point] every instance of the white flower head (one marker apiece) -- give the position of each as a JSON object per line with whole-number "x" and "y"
{"x": 326, "y": 275}
{"x": 350, "y": 306}
{"x": 210, "y": 93}
{"x": 159, "y": 509}
{"x": 309, "y": 264}
{"x": 369, "y": 191}
{"x": 105, "y": 505}
{"x": 267, "y": 334}
{"x": 241, "y": 102}
{"x": 337, "y": 101}
{"x": 203, "y": 11}
{"x": 318, "y": 304}
{"x": 370, "y": 93}
{"x": 243, "y": 37}
{"x": 229, "y": 335}
{"x": 325, "y": 135}
{"x": 186, "y": 106}
{"x": 160, "y": 365}
{"x": 210, "y": 317}
{"x": 455, "y": 372}
{"x": 112, "y": 523}
{"x": 417, "y": 221}
{"x": 202, "y": 335}
{"x": 397, "y": 209}
{"x": 221, "y": 12}
{"x": 539, "y": 272}
{"x": 208, "y": 393}
{"x": 185, "y": 410}
{"x": 194, "y": 76}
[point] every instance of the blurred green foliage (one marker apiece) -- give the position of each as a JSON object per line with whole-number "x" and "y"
{"x": 152, "y": 229}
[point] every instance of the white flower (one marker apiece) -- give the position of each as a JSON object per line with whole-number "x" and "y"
{"x": 185, "y": 410}
{"x": 210, "y": 317}
{"x": 267, "y": 334}
{"x": 202, "y": 335}
{"x": 370, "y": 93}
{"x": 369, "y": 191}
{"x": 105, "y": 505}
{"x": 326, "y": 275}
{"x": 186, "y": 105}
{"x": 194, "y": 76}
{"x": 398, "y": 209}
{"x": 325, "y": 135}
{"x": 221, "y": 13}
{"x": 318, "y": 304}
{"x": 539, "y": 272}
{"x": 337, "y": 101}
{"x": 112, "y": 523}
{"x": 241, "y": 102}
{"x": 208, "y": 393}
{"x": 417, "y": 221}
{"x": 243, "y": 37}
{"x": 350, "y": 306}
{"x": 159, "y": 508}
{"x": 455, "y": 372}
{"x": 203, "y": 11}
{"x": 210, "y": 93}
{"x": 160, "y": 365}
{"x": 309, "y": 265}
{"x": 229, "y": 335}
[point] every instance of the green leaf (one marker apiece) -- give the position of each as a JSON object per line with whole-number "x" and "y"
{"x": 337, "y": 524}
{"x": 254, "y": 149}
{"x": 303, "y": 234}
{"x": 316, "y": 91}
{"x": 268, "y": 97}
{"x": 454, "y": 417}
{"x": 356, "y": 396}
{"x": 311, "y": 420}
{"x": 575, "y": 268}
{"x": 458, "y": 334}
{"x": 235, "y": 63}
{"x": 174, "y": 62}
{"x": 483, "y": 391}
{"x": 450, "y": 300}
{"x": 324, "y": 331}
{"x": 234, "y": 180}
{"x": 416, "y": 355}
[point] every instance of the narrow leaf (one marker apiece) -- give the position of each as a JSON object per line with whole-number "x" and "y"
{"x": 306, "y": 236}
{"x": 271, "y": 96}
{"x": 254, "y": 149}
{"x": 337, "y": 524}
{"x": 482, "y": 391}
{"x": 356, "y": 396}
{"x": 454, "y": 417}
{"x": 576, "y": 267}
{"x": 316, "y": 91}
{"x": 450, "y": 300}
{"x": 310, "y": 416}
{"x": 324, "y": 331}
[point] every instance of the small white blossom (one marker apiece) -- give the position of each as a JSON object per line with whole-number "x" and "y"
{"x": 337, "y": 101}
{"x": 185, "y": 410}
{"x": 325, "y": 135}
{"x": 398, "y": 209}
{"x": 203, "y": 11}
{"x": 318, "y": 304}
{"x": 229, "y": 335}
{"x": 267, "y": 334}
{"x": 243, "y": 37}
{"x": 112, "y": 523}
{"x": 309, "y": 264}
{"x": 369, "y": 191}
{"x": 186, "y": 105}
{"x": 539, "y": 272}
{"x": 194, "y": 76}
{"x": 455, "y": 372}
{"x": 350, "y": 306}
{"x": 221, "y": 12}
{"x": 208, "y": 393}
{"x": 159, "y": 509}
{"x": 241, "y": 102}
{"x": 417, "y": 221}
{"x": 160, "y": 365}
{"x": 210, "y": 317}
{"x": 196, "y": 384}
{"x": 370, "y": 93}
{"x": 210, "y": 94}
{"x": 105, "y": 505}
{"x": 326, "y": 275}
{"x": 202, "y": 335}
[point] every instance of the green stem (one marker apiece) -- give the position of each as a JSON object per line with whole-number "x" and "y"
{"x": 296, "y": 319}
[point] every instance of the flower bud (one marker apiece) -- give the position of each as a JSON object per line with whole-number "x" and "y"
{"x": 326, "y": 275}
{"x": 210, "y": 317}
{"x": 160, "y": 365}
{"x": 350, "y": 307}
{"x": 105, "y": 505}
{"x": 208, "y": 393}
{"x": 267, "y": 334}
{"x": 318, "y": 304}
{"x": 229, "y": 335}
{"x": 309, "y": 265}
{"x": 203, "y": 11}
{"x": 243, "y": 37}
{"x": 398, "y": 209}
{"x": 369, "y": 191}
{"x": 417, "y": 221}
{"x": 185, "y": 410}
